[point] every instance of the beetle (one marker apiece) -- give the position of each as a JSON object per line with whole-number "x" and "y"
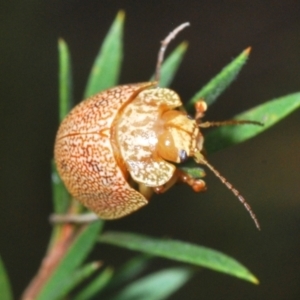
{"x": 118, "y": 147}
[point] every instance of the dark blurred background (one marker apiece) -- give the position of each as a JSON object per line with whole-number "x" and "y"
{"x": 265, "y": 169}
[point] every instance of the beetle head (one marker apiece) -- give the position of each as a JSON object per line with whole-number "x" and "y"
{"x": 179, "y": 137}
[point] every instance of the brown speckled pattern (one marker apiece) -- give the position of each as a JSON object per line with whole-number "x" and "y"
{"x": 148, "y": 116}
{"x": 137, "y": 138}
{"x": 85, "y": 155}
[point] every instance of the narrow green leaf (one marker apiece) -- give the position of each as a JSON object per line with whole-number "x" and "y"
{"x": 268, "y": 113}
{"x": 216, "y": 86}
{"x": 157, "y": 286}
{"x": 130, "y": 270}
{"x": 65, "y": 79}
{"x": 5, "y": 289}
{"x": 106, "y": 69}
{"x": 61, "y": 197}
{"x": 74, "y": 256}
{"x": 180, "y": 251}
{"x": 68, "y": 283}
{"x": 96, "y": 286}
{"x": 61, "y": 201}
{"x": 171, "y": 65}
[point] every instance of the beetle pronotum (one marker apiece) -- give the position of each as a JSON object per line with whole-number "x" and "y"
{"x": 119, "y": 146}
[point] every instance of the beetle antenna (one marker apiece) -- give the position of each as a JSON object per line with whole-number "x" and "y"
{"x": 200, "y": 159}
{"x": 229, "y": 122}
{"x": 201, "y": 107}
{"x": 163, "y": 47}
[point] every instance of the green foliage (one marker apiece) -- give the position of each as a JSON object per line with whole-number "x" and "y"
{"x": 69, "y": 271}
{"x": 131, "y": 269}
{"x": 5, "y": 288}
{"x": 65, "y": 79}
{"x": 76, "y": 241}
{"x": 217, "y": 85}
{"x": 180, "y": 251}
{"x": 157, "y": 286}
{"x": 95, "y": 287}
{"x": 171, "y": 65}
{"x": 106, "y": 69}
{"x": 269, "y": 113}
{"x": 60, "y": 194}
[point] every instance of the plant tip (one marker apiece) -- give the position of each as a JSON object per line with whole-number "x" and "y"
{"x": 121, "y": 15}
{"x": 248, "y": 50}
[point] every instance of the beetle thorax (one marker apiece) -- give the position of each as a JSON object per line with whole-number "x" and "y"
{"x": 150, "y": 134}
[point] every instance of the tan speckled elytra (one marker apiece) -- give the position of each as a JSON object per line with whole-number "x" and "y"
{"x": 118, "y": 147}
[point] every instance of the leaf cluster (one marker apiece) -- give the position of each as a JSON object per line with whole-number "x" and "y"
{"x": 69, "y": 269}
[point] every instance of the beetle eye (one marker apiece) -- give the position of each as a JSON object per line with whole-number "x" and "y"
{"x": 183, "y": 155}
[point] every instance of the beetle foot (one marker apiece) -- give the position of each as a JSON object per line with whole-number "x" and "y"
{"x": 160, "y": 189}
{"x": 198, "y": 185}
{"x": 200, "y": 108}
{"x": 73, "y": 218}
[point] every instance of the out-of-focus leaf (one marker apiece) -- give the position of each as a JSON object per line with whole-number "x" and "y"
{"x": 95, "y": 287}
{"x": 180, "y": 251}
{"x": 61, "y": 202}
{"x": 216, "y": 86}
{"x": 171, "y": 65}
{"x": 65, "y": 79}
{"x": 73, "y": 258}
{"x": 268, "y": 113}
{"x": 5, "y": 289}
{"x": 68, "y": 283}
{"x": 130, "y": 270}
{"x": 61, "y": 197}
{"x": 106, "y": 69}
{"x": 156, "y": 286}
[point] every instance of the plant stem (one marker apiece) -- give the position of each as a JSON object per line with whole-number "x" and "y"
{"x": 51, "y": 261}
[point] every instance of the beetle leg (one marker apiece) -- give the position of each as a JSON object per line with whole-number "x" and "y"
{"x": 198, "y": 185}
{"x": 146, "y": 191}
